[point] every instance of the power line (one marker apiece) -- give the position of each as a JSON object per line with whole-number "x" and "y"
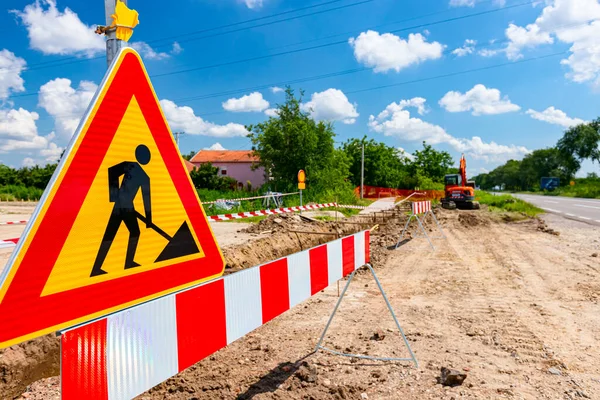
{"x": 335, "y": 43}
{"x": 457, "y": 73}
{"x": 76, "y": 59}
{"x": 234, "y": 62}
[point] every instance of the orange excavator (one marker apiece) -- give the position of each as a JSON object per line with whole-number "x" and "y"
{"x": 459, "y": 193}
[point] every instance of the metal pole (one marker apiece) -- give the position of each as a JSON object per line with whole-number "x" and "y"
{"x": 362, "y": 171}
{"x": 113, "y": 45}
{"x": 300, "y": 200}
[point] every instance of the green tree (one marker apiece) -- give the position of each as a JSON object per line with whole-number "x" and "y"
{"x": 431, "y": 164}
{"x": 384, "y": 167}
{"x": 189, "y": 155}
{"x": 543, "y": 163}
{"x": 579, "y": 143}
{"x": 292, "y": 141}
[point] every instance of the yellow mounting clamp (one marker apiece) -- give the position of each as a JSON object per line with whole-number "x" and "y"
{"x": 124, "y": 20}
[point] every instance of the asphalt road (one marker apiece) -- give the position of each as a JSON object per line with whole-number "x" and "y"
{"x": 586, "y": 210}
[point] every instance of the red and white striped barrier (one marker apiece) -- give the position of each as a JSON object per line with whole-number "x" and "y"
{"x": 13, "y": 222}
{"x": 354, "y": 207}
{"x": 252, "y": 198}
{"x": 8, "y": 243}
{"x": 248, "y": 214}
{"x": 127, "y": 353}
{"x": 421, "y": 207}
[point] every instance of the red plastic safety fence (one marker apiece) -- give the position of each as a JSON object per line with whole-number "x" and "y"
{"x": 374, "y": 192}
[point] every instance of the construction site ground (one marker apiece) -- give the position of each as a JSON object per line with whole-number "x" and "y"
{"x": 513, "y": 305}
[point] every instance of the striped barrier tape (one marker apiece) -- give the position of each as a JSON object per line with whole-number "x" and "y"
{"x": 252, "y": 198}
{"x": 355, "y": 207}
{"x": 8, "y": 243}
{"x": 13, "y": 222}
{"x": 222, "y": 217}
{"x": 421, "y": 207}
{"x": 248, "y": 214}
{"x": 127, "y": 353}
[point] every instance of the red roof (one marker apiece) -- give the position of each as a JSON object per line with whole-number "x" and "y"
{"x": 229, "y": 156}
{"x": 188, "y": 165}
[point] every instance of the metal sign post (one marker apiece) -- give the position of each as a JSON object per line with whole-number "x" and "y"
{"x": 301, "y": 184}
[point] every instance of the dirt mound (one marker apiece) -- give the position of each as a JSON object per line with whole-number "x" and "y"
{"x": 275, "y": 223}
{"x": 471, "y": 219}
{"x": 27, "y": 362}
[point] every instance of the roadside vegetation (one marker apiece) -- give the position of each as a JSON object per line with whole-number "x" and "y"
{"x": 507, "y": 203}
{"x": 579, "y": 143}
{"x": 290, "y": 141}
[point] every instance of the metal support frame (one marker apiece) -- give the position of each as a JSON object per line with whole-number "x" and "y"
{"x": 389, "y": 306}
{"x": 415, "y": 216}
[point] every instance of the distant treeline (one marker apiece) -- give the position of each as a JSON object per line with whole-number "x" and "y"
{"x": 578, "y": 143}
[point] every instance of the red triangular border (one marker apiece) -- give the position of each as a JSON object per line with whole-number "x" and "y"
{"x": 22, "y": 311}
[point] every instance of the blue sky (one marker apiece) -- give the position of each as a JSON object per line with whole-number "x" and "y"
{"x": 491, "y": 78}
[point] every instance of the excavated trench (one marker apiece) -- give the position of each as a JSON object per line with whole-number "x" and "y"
{"x": 272, "y": 238}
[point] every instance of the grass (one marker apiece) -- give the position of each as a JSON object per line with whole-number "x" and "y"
{"x": 14, "y": 193}
{"x": 250, "y": 220}
{"x": 506, "y": 202}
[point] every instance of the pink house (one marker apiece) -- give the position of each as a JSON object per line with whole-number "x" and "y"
{"x": 236, "y": 164}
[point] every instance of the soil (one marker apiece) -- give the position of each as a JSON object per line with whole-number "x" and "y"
{"x": 512, "y": 306}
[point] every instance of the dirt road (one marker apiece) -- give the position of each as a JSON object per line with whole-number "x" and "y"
{"x": 513, "y": 307}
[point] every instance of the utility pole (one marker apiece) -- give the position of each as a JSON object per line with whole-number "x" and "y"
{"x": 177, "y": 134}
{"x": 113, "y": 45}
{"x": 362, "y": 171}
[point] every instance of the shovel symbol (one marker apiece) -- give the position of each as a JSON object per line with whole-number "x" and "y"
{"x": 179, "y": 245}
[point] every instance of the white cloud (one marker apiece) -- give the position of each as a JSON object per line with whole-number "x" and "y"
{"x": 276, "y": 89}
{"x": 480, "y": 100}
{"x": 18, "y": 124}
{"x": 471, "y": 3}
{"x": 216, "y": 146}
{"x": 404, "y": 154}
{"x": 555, "y": 116}
{"x": 520, "y": 38}
{"x": 252, "y": 4}
{"x": 183, "y": 118}
{"x": 396, "y": 121}
{"x": 272, "y": 112}
{"x": 54, "y": 32}
{"x": 177, "y": 49}
{"x": 11, "y": 67}
{"x": 385, "y": 52}
{"x": 574, "y": 22}
{"x": 28, "y": 162}
{"x": 487, "y": 52}
{"x": 65, "y": 103}
{"x": 149, "y": 53}
{"x": 416, "y": 102}
{"x": 253, "y": 102}
{"x": 467, "y": 48}
{"x": 19, "y": 133}
{"x": 462, "y": 3}
{"x": 331, "y": 105}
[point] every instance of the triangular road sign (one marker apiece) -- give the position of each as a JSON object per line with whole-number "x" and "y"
{"x": 119, "y": 224}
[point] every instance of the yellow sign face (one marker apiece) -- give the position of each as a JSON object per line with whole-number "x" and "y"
{"x": 72, "y": 268}
{"x": 119, "y": 224}
{"x": 572, "y": 183}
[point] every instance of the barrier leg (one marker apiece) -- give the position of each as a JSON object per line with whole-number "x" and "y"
{"x": 438, "y": 225}
{"x": 389, "y": 306}
{"x": 403, "y": 231}
{"x": 425, "y": 232}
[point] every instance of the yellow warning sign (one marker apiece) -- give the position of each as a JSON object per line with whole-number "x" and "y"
{"x": 119, "y": 224}
{"x": 101, "y": 216}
